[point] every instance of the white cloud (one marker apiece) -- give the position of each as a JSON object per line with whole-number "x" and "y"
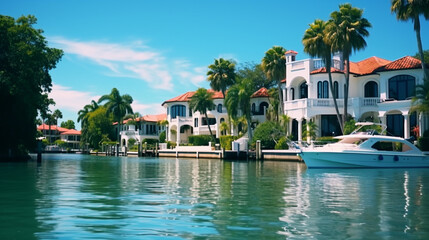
{"x": 145, "y": 109}
{"x": 133, "y": 60}
{"x": 68, "y": 99}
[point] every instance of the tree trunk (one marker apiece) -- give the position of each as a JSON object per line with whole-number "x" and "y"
{"x": 420, "y": 47}
{"x": 346, "y": 88}
{"x": 331, "y": 85}
{"x": 280, "y": 110}
{"x": 208, "y": 125}
{"x": 249, "y": 129}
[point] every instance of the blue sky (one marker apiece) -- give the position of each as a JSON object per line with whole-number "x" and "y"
{"x": 156, "y": 50}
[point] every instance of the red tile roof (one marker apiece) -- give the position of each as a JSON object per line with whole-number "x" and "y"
{"x": 367, "y": 66}
{"x": 283, "y": 81}
{"x": 262, "y": 92}
{"x": 53, "y": 127}
{"x": 406, "y": 62}
{"x": 291, "y": 51}
{"x": 154, "y": 118}
{"x": 71, "y": 132}
{"x": 323, "y": 70}
{"x": 187, "y": 96}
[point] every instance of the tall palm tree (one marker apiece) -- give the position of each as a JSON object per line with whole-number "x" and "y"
{"x": 56, "y": 115}
{"x": 346, "y": 33}
{"x": 274, "y": 66}
{"x": 316, "y": 44}
{"x": 118, "y": 105}
{"x": 83, "y": 113}
{"x": 273, "y": 108}
{"x": 285, "y": 120}
{"x": 412, "y": 9}
{"x": 238, "y": 97}
{"x": 420, "y": 102}
{"x": 202, "y": 102}
{"x": 221, "y": 75}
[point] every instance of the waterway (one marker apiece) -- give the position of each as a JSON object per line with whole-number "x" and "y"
{"x": 90, "y": 197}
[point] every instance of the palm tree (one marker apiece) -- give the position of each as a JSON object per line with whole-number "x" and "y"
{"x": 238, "y": 97}
{"x": 420, "y": 102}
{"x": 83, "y": 113}
{"x": 346, "y": 33}
{"x": 224, "y": 128}
{"x": 316, "y": 44}
{"x": 285, "y": 120}
{"x": 273, "y": 108}
{"x": 202, "y": 102}
{"x": 274, "y": 66}
{"x": 309, "y": 130}
{"x": 118, "y": 105}
{"x": 412, "y": 9}
{"x": 132, "y": 118}
{"x": 56, "y": 115}
{"x": 221, "y": 75}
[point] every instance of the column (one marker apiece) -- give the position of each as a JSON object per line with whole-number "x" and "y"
{"x": 178, "y": 131}
{"x": 406, "y": 126}
{"x": 308, "y": 130}
{"x": 217, "y": 128}
{"x": 299, "y": 129}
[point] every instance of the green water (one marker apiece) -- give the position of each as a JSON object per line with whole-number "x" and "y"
{"x": 89, "y": 197}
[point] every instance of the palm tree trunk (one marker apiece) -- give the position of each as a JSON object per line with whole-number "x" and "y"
{"x": 208, "y": 125}
{"x": 280, "y": 110}
{"x": 249, "y": 128}
{"x": 346, "y": 88}
{"x": 331, "y": 86}
{"x": 420, "y": 47}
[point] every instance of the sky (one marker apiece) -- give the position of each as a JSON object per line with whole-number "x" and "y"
{"x": 157, "y": 50}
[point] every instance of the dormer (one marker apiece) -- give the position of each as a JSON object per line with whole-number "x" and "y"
{"x": 290, "y": 56}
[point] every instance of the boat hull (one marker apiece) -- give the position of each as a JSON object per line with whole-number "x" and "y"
{"x": 320, "y": 159}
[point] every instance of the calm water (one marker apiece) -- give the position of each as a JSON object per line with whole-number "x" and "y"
{"x": 78, "y": 197}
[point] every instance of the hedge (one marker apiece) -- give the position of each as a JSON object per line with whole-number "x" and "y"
{"x": 199, "y": 140}
{"x": 226, "y": 141}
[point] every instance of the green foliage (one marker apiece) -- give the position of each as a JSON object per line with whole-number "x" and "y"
{"x": 162, "y": 137}
{"x": 350, "y": 126}
{"x": 423, "y": 143}
{"x": 282, "y": 144}
{"x": 171, "y": 144}
{"x": 309, "y": 130}
{"x": 221, "y": 75}
{"x": 199, "y": 140}
{"x": 425, "y": 56}
{"x": 131, "y": 142}
{"x": 269, "y": 133}
{"x": 99, "y": 125}
{"x": 327, "y": 139}
{"x": 69, "y": 124}
{"x": 256, "y": 74}
{"x": 25, "y": 62}
{"x": 60, "y": 143}
{"x": 226, "y": 141}
{"x": 202, "y": 102}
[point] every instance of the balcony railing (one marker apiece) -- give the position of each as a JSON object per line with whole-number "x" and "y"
{"x": 329, "y": 102}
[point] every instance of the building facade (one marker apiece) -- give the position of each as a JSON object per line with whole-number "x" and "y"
{"x": 380, "y": 91}
{"x": 70, "y": 136}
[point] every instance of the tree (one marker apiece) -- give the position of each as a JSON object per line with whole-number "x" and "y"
{"x": 25, "y": 62}
{"x": 284, "y": 121}
{"x": 69, "y": 124}
{"x": 132, "y": 118}
{"x": 268, "y": 133}
{"x": 273, "y": 108}
{"x": 256, "y": 74}
{"x": 425, "y": 56}
{"x": 202, "y": 102}
{"x": 118, "y": 106}
{"x": 316, "y": 44}
{"x": 274, "y": 66}
{"x": 412, "y": 9}
{"x": 309, "y": 130}
{"x": 238, "y": 97}
{"x": 346, "y": 33}
{"x": 99, "y": 125}
{"x": 420, "y": 102}
{"x": 83, "y": 114}
{"x": 52, "y": 119}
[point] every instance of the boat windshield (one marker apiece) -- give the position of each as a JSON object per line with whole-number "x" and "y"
{"x": 356, "y": 141}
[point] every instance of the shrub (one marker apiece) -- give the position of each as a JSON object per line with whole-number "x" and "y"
{"x": 324, "y": 140}
{"x": 267, "y": 132}
{"x": 423, "y": 143}
{"x": 131, "y": 142}
{"x": 226, "y": 141}
{"x": 282, "y": 144}
{"x": 199, "y": 140}
{"x": 162, "y": 137}
{"x": 171, "y": 144}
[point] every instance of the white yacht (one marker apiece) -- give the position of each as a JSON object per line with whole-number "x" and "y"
{"x": 365, "y": 150}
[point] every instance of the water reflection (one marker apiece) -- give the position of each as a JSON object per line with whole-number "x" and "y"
{"x": 76, "y": 196}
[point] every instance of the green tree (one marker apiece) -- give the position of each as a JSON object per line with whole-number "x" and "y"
{"x": 425, "y": 56}
{"x": 256, "y": 74}
{"x": 420, "y": 102}
{"x": 346, "y": 33}
{"x": 268, "y": 133}
{"x": 412, "y": 9}
{"x": 83, "y": 114}
{"x": 284, "y": 121}
{"x": 273, "y": 108}
{"x": 238, "y": 98}
{"x": 25, "y": 62}
{"x": 118, "y": 105}
{"x": 274, "y": 66}
{"x": 221, "y": 75}
{"x": 309, "y": 130}
{"x": 316, "y": 44}
{"x": 132, "y": 118}
{"x": 69, "y": 124}
{"x": 98, "y": 126}
{"x": 202, "y": 102}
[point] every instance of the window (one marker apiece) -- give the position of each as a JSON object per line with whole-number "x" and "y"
{"x": 212, "y": 121}
{"x": 336, "y": 89}
{"x": 178, "y": 110}
{"x": 322, "y": 89}
{"x": 402, "y": 87}
{"x": 262, "y": 106}
{"x": 371, "y": 89}
{"x": 292, "y": 94}
{"x": 329, "y": 125}
{"x": 303, "y": 90}
{"x": 395, "y": 125}
{"x": 391, "y": 146}
{"x": 219, "y": 108}
{"x": 195, "y": 122}
{"x": 253, "y": 107}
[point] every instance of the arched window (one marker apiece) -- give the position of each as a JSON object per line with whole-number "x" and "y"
{"x": 371, "y": 89}
{"x": 322, "y": 89}
{"x": 178, "y": 110}
{"x": 253, "y": 107}
{"x": 195, "y": 122}
{"x": 303, "y": 90}
{"x": 219, "y": 108}
{"x": 222, "y": 120}
{"x": 402, "y": 87}
{"x": 262, "y": 106}
{"x": 336, "y": 89}
{"x": 292, "y": 94}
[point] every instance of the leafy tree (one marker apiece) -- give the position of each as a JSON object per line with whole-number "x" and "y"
{"x": 238, "y": 97}
{"x": 309, "y": 130}
{"x": 268, "y": 133}
{"x": 273, "y": 108}
{"x": 420, "y": 102}
{"x": 412, "y": 9}
{"x": 221, "y": 75}
{"x": 284, "y": 121}
{"x": 132, "y": 118}
{"x": 224, "y": 128}
{"x": 274, "y": 66}
{"x": 98, "y": 126}
{"x": 346, "y": 33}
{"x": 202, "y": 102}
{"x": 25, "y": 62}
{"x": 118, "y": 105}
{"x": 425, "y": 56}
{"x": 256, "y": 74}
{"x": 69, "y": 124}
{"x": 316, "y": 44}
{"x": 83, "y": 114}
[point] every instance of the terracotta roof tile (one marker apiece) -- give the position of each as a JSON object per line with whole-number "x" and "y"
{"x": 291, "y": 51}
{"x": 406, "y": 62}
{"x": 262, "y": 92}
{"x": 187, "y": 96}
{"x": 53, "y": 127}
{"x": 283, "y": 81}
{"x": 71, "y": 132}
{"x": 154, "y": 118}
{"x": 367, "y": 66}
{"x": 323, "y": 70}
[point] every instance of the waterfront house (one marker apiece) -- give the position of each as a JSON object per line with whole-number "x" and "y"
{"x": 70, "y": 136}
{"x": 146, "y": 127}
{"x": 183, "y": 122}
{"x": 380, "y": 91}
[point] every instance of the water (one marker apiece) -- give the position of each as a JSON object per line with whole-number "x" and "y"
{"x": 89, "y": 197}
